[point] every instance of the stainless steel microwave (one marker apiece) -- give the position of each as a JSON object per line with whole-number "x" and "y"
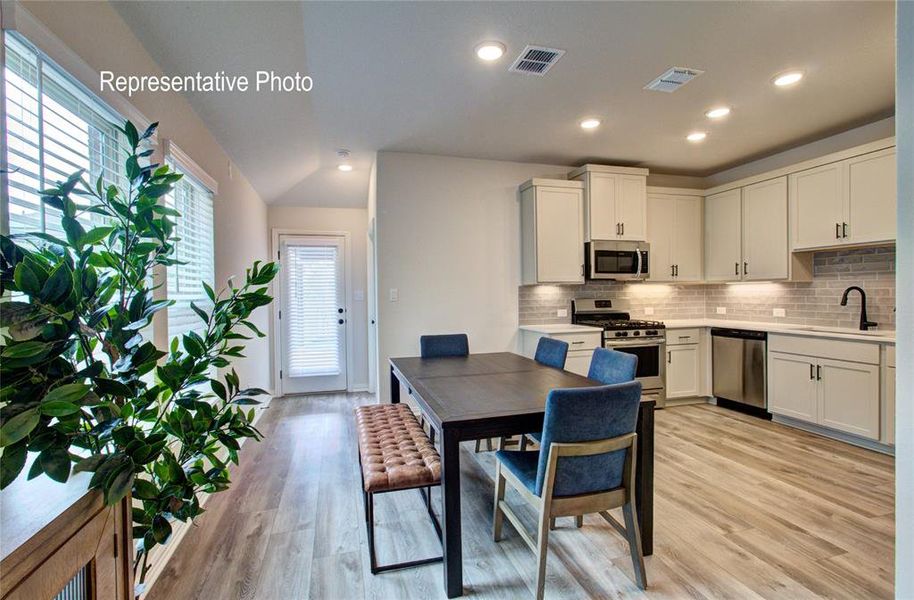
{"x": 625, "y": 261}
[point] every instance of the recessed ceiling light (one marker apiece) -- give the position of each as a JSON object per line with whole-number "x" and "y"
{"x": 344, "y": 167}
{"x": 490, "y": 51}
{"x": 718, "y": 113}
{"x": 696, "y": 136}
{"x": 590, "y": 123}
{"x": 789, "y": 78}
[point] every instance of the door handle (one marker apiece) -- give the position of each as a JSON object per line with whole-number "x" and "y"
{"x": 818, "y": 372}
{"x": 812, "y": 372}
{"x": 677, "y": 270}
{"x": 618, "y": 231}
{"x": 623, "y": 228}
{"x": 672, "y": 270}
{"x": 745, "y": 267}
{"x": 669, "y": 357}
{"x": 736, "y": 269}
{"x": 844, "y": 229}
{"x": 837, "y": 231}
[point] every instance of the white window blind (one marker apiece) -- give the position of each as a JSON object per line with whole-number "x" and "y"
{"x": 54, "y": 127}
{"x": 311, "y": 310}
{"x": 194, "y": 248}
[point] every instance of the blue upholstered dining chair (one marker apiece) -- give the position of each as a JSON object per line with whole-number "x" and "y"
{"x": 439, "y": 346}
{"x": 607, "y": 367}
{"x": 585, "y": 464}
{"x": 551, "y": 352}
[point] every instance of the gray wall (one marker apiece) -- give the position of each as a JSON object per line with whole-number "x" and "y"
{"x": 904, "y": 415}
{"x": 812, "y": 303}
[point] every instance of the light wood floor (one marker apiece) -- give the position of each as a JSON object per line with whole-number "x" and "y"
{"x": 744, "y": 509}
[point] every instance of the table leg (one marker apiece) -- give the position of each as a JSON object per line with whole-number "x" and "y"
{"x": 644, "y": 477}
{"x": 394, "y": 387}
{"x": 450, "y": 521}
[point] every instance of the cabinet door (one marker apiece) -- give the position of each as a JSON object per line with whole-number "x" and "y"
{"x": 849, "y": 397}
{"x": 682, "y": 375}
{"x": 792, "y": 386}
{"x": 723, "y": 237}
{"x": 631, "y": 207}
{"x": 661, "y": 219}
{"x": 817, "y": 205}
{"x": 765, "y": 252}
{"x": 602, "y": 221}
{"x": 888, "y": 435}
{"x": 579, "y": 362}
{"x": 687, "y": 238}
{"x": 559, "y": 241}
{"x": 871, "y": 185}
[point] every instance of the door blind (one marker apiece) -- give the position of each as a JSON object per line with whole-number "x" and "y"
{"x": 194, "y": 249}
{"x": 54, "y": 127}
{"x": 311, "y": 312}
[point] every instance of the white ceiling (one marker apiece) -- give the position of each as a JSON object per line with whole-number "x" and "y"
{"x": 403, "y": 77}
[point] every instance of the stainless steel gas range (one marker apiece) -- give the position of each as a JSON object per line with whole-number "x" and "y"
{"x": 644, "y": 339}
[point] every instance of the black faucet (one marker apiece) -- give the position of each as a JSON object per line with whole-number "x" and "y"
{"x": 864, "y": 324}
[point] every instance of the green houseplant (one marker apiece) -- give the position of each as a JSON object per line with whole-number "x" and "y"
{"x": 81, "y": 387}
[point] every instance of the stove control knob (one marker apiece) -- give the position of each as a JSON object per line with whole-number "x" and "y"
{"x": 621, "y": 334}
{"x": 651, "y": 332}
{"x": 636, "y": 334}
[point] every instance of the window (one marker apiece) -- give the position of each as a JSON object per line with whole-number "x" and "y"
{"x": 195, "y": 249}
{"x": 54, "y": 127}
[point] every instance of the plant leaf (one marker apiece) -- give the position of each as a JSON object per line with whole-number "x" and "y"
{"x": 18, "y": 426}
{"x": 56, "y": 463}
{"x": 70, "y": 392}
{"x": 11, "y": 463}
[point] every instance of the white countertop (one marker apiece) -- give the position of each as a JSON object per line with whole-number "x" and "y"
{"x": 874, "y": 335}
{"x": 556, "y": 328}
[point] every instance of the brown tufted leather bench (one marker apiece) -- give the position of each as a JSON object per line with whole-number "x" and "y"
{"x": 395, "y": 454}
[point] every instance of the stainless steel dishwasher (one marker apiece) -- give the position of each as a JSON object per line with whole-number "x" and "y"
{"x": 739, "y": 366}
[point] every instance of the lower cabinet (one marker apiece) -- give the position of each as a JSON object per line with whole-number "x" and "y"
{"x": 839, "y": 394}
{"x": 578, "y": 361}
{"x": 682, "y": 371}
{"x": 580, "y": 347}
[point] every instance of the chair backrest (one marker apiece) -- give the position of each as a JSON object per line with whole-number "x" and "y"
{"x": 611, "y": 366}
{"x": 586, "y": 415}
{"x": 551, "y": 352}
{"x": 437, "y": 346}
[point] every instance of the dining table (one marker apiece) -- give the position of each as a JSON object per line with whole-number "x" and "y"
{"x": 494, "y": 395}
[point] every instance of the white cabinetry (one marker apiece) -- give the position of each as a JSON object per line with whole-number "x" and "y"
{"x": 888, "y": 397}
{"x": 683, "y": 363}
{"x": 831, "y": 383}
{"x": 552, "y": 229}
{"x": 581, "y": 345}
{"x": 674, "y": 226}
{"x": 615, "y": 202}
{"x": 849, "y": 202}
{"x": 746, "y": 233}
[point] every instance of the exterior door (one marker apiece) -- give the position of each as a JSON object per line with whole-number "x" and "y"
{"x": 313, "y": 314}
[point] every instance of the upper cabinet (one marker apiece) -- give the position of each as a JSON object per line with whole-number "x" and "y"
{"x": 674, "y": 225}
{"x": 615, "y": 202}
{"x": 552, "y": 231}
{"x": 746, "y": 233}
{"x": 849, "y": 202}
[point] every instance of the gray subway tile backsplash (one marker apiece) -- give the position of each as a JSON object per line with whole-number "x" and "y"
{"x": 810, "y": 303}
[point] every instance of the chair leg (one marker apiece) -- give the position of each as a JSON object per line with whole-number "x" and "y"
{"x": 523, "y": 443}
{"x": 478, "y": 446}
{"x": 489, "y": 444}
{"x": 552, "y": 524}
{"x": 369, "y": 520}
{"x": 498, "y": 516}
{"x": 634, "y": 543}
{"x": 542, "y": 546}
{"x": 579, "y": 521}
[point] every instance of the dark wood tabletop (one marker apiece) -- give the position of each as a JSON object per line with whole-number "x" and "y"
{"x": 493, "y": 395}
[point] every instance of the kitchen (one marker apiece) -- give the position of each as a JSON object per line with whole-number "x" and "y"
{"x": 763, "y": 260}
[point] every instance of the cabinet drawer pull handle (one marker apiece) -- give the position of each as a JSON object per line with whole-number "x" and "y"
{"x": 685, "y": 337}
{"x": 577, "y": 342}
{"x": 844, "y": 229}
{"x": 837, "y": 231}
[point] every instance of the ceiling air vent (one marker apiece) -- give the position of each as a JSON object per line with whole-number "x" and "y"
{"x": 673, "y": 79}
{"x": 536, "y": 60}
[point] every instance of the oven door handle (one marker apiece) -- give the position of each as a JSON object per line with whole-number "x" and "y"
{"x": 642, "y": 343}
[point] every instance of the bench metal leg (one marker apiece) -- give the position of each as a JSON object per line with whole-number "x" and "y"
{"x": 369, "y": 523}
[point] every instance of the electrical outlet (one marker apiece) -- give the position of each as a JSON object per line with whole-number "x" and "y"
{"x": 394, "y": 294}
{"x": 648, "y": 310}
{"x": 779, "y": 312}
{"x": 721, "y": 310}
{"x": 562, "y": 312}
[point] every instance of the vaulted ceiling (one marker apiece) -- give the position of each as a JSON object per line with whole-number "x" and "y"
{"x": 403, "y": 76}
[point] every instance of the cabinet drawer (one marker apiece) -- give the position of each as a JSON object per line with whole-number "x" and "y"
{"x": 580, "y": 341}
{"x": 674, "y": 337}
{"x": 862, "y": 352}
